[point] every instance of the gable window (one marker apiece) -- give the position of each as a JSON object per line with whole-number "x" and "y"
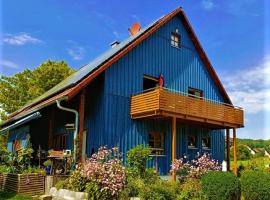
{"x": 193, "y": 92}
{"x": 192, "y": 141}
{"x": 175, "y": 39}
{"x": 206, "y": 143}
{"x": 156, "y": 142}
{"x": 150, "y": 82}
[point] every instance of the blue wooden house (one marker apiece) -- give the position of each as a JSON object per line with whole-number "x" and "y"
{"x": 156, "y": 88}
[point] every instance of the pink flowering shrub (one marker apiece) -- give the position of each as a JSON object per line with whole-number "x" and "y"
{"x": 105, "y": 169}
{"x": 195, "y": 168}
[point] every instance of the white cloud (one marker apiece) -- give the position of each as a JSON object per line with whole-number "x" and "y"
{"x": 250, "y": 88}
{"x": 20, "y": 39}
{"x": 8, "y": 64}
{"x": 207, "y": 4}
{"x": 77, "y": 53}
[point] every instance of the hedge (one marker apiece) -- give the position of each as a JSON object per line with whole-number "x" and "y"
{"x": 221, "y": 185}
{"x": 255, "y": 185}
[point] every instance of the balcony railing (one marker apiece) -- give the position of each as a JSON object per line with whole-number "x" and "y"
{"x": 162, "y": 102}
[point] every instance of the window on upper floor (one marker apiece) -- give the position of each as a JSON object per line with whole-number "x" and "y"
{"x": 150, "y": 82}
{"x": 175, "y": 39}
{"x": 193, "y": 92}
{"x": 156, "y": 142}
{"x": 192, "y": 141}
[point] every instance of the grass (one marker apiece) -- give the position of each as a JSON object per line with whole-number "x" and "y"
{"x": 13, "y": 196}
{"x": 261, "y": 162}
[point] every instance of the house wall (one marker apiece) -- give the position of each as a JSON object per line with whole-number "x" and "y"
{"x": 108, "y": 119}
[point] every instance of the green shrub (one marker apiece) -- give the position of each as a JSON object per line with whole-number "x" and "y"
{"x": 191, "y": 189}
{"x": 47, "y": 163}
{"x": 163, "y": 190}
{"x": 221, "y": 185}
{"x": 137, "y": 158}
{"x": 243, "y": 153}
{"x": 255, "y": 185}
{"x": 76, "y": 182}
{"x": 62, "y": 184}
{"x": 151, "y": 176}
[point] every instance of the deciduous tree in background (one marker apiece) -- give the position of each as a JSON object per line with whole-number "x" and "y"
{"x": 19, "y": 89}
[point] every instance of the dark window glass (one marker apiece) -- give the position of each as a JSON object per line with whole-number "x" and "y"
{"x": 195, "y": 92}
{"x": 60, "y": 142}
{"x": 156, "y": 142}
{"x": 150, "y": 82}
{"x": 175, "y": 39}
{"x": 206, "y": 142}
{"x": 192, "y": 141}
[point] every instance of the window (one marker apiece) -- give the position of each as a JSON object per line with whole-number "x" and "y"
{"x": 175, "y": 39}
{"x": 16, "y": 145}
{"x": 60, "y": 142}
{"x": 150, "y": 82}
{"x": 195, "y": 92}
{"x": 156, "y": 142}
{"x": 192, "y": 141}
{"x": 206, "y": 144}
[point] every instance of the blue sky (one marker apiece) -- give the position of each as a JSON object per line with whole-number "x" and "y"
{"x": 232, "y": 32}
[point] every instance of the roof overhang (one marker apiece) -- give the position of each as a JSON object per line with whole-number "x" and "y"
{"x": 21, "y": 122}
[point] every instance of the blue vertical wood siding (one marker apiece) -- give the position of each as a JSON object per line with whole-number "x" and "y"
{"x": 107, "y": 115}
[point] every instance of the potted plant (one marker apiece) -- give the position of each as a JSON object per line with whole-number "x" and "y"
{"x": 48, "y": 167}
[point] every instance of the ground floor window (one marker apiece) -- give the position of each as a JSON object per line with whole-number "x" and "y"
{"x": 206, "y": 141}
{"x": 192, "y": 141}
{"x": 16, "y": 145}
{"x": 156, "y": 142}
{"x": 60, "y": 142}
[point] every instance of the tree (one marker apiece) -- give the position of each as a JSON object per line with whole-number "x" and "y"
{"x": 242, "y": 152}
{"x": 17, "y": 90}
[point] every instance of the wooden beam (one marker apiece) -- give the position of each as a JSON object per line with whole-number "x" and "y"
{"x": 174, "y": 144}
{"x": 81, "y": 124}
{"x": 234, "y": 153}
{"x": 228, "y": 148}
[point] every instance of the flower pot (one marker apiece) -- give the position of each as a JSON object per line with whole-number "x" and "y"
{"x": 48, "y": 170}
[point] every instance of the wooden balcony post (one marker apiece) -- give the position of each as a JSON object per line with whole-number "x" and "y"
{"x": 174, "y": 144}
{"x": 234, "y": 153}
{"x": 81, "y": 125}
{"x": 228, "y": 148}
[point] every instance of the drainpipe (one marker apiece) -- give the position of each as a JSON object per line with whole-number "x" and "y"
{"x": 76, "y": 127}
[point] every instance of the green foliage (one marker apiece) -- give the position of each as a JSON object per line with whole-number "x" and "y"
{"x": 137, "y": 158}
{"x": 255, "y": 185}
{"x": 47, "y": 163}
{"x": 20, "y": 161}
{"x": 255, "y": 143}
{"x": 62, "y": 184}
{"x": 221, "y": 185}
{"x": 76, "y": 182}
{"x": 242, "y": 152}
{"x": 191, "y": 189}
{"x": 4, "y": 154}
{"x": 13, "y": 196}
{"x": 17, "y": 90}
{"x": 94, "y": 192}
{"x": 162, "y": 190}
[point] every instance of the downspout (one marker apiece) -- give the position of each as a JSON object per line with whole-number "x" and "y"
{"x": 76, "y": 127}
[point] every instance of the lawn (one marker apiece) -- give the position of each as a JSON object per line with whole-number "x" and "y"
{"x": 13, "y": 196}
{"x": 260, "y": 162}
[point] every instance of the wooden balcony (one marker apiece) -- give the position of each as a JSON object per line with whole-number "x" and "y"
{"x": 162, "y": 103}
